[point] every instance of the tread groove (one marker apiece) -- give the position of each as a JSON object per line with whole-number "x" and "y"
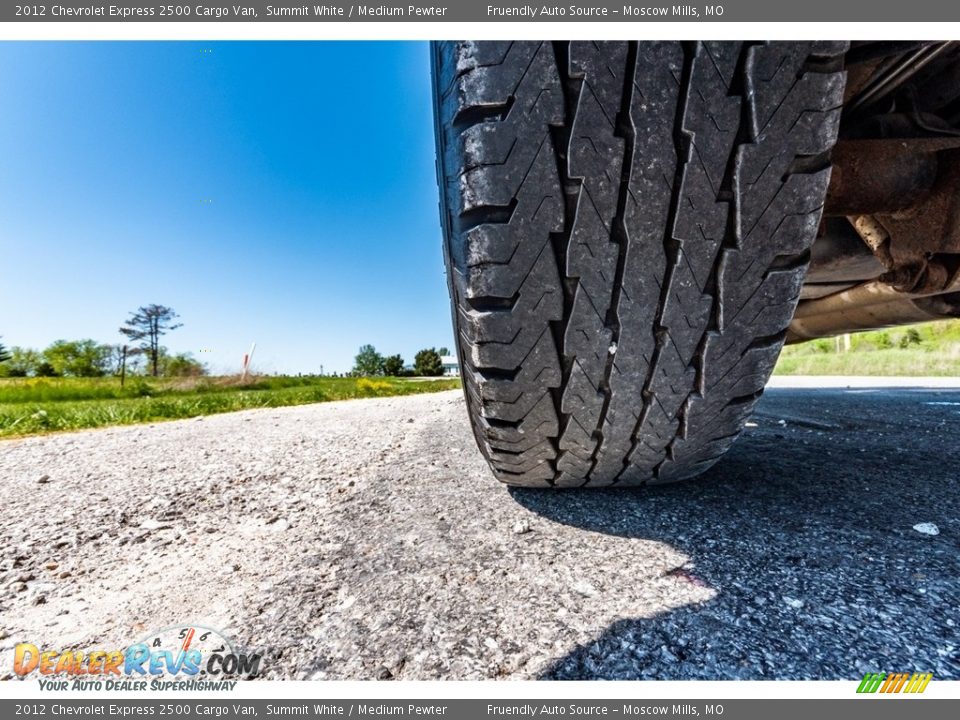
{"x": 562, "y": 134}
{"x": 621, "y": 237}
{"x": 672, "y": 247}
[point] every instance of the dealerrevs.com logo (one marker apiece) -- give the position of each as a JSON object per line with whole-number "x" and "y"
{"x": 180, "y": 657}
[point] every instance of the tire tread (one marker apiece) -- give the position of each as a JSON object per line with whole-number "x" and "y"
{"x": 627, "y": 226}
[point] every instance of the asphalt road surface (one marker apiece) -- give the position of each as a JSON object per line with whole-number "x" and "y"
{"x": 367, "y": 539}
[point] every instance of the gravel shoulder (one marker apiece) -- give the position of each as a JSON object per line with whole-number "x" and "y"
{"x": 367, "y": 539}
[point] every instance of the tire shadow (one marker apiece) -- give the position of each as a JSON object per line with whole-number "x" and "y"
{"x": 805, "y": 530}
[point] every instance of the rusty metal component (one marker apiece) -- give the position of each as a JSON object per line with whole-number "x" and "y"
{"x": 932, "y": 226}
{"x": 813, "y": 291}
{"x": 839, "y": 258}
{"x": 871, "y": 231}
{"x": 880, "y": 176}
{"x": 889, "y": 246}
{"x": 902, "y": 197}
{"x": 898, "y": 311}
{"x": 930, "y": 278}
{"x": 875, "y": 304}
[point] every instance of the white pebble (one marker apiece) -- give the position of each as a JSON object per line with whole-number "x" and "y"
{"x": 521, "y": 527}
{"x": 584, "y": 588}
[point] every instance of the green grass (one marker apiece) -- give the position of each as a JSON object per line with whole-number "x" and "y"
{"x": 880, "y": 353}
{"x": 30, "y": 406}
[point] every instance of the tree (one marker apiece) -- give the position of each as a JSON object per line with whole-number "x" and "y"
{"x": 117, "y": 359}
{"x": 427, "y": 363}
{"x": 7, "y": 369}
{"x": 181, "y": 365}
{"x": 22, "y": 362}
{"x": 443, "y": 351}
{"x": 368, "y": 361}
{"x": 78, "y": 358}
{"x": 146, "y": 326}
{"x": 393, "y": 365}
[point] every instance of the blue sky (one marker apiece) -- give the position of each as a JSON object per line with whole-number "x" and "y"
{"x": 282, "y": 193}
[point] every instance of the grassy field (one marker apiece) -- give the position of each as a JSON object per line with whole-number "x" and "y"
{"x": 31, "y": 406}
{"x": 931, "y": 349}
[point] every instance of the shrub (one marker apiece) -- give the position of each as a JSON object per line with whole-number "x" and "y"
{"x": 181, "y": 365}
{"x": 910, "y": 337}
{"x": 373, "y": 387}
{"x": 45, "y": 369}
{"x": 393, "y": 365}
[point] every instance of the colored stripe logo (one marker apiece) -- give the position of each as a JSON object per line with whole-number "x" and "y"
{"x": 894, "y": 682}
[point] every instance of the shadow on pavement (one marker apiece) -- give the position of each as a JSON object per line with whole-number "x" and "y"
{"x": 805, "y": 529}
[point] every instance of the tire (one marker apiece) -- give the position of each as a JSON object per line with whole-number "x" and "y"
{"x": 627, "y": 227}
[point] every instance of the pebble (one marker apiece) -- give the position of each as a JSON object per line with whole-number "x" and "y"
{"x": 793, "y": 602}
{"x": 151, "y": 524}
{"x": 43, "y": 479}
{"x": 521, "y": 527}
{"x": 584, "y": 588}
{"x": 927, "y": 528}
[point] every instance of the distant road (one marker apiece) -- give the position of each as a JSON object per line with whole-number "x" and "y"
{"x": 860, "y": 381}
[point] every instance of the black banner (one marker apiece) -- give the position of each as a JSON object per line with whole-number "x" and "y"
{"x": 474, "y": 11}
{"x": 875, "y": 708}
